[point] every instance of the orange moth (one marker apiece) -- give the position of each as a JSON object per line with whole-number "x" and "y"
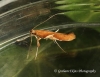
{"x": 46, "y": 34}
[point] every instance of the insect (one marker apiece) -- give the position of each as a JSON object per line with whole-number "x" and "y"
{"x": 46, "y": 34}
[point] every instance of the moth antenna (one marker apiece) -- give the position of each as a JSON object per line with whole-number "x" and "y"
{"x": 48, "y": 19}
{"x": 59, "y": 46}
{"x": 29, "y": 45}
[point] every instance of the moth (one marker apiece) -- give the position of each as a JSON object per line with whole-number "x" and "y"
{"x": 54, "y": 36}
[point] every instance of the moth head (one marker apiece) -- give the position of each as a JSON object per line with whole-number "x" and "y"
{"x": 32, "y": 32}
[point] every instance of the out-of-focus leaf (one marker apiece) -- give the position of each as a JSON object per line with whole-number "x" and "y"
{"x": 85, "y": 6}
{"x": 50, "y": 57}
{"x": 84, "y": 16}
{"x": 80, "y": 51}
{"x": 76, "y": 1}
{"x": 80, "y": 10}
{"x": 78, "y": 15}
{"x": 97, "y": 28}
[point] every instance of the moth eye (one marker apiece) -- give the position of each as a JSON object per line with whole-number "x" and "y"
{"x": 33, "y": 33}
{"x": 30, "y": 31}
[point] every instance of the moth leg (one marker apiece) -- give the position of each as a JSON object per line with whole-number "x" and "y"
{"x": 38, "y": 44}
{"x": 59, "y": 46}
{"x": 49, "y": 36}
{"x": 29, "y": 46}
{"x": 57, "y": 30}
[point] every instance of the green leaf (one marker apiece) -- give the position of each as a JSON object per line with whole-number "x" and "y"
{"x": 78, "y": 7}
{"x": 97, "y": 29}
{"x": 81, "y": 52}
{"x": 78, "y": 15}
{"x": 80, "y": 10}
{"x": 76, "y": 1}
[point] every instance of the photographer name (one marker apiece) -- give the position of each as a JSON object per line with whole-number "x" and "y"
{"x": 74, "y": 71}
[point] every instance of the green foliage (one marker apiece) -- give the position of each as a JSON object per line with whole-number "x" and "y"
{"x": 83, "y": 53}
{"x": 80, "y": 10}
